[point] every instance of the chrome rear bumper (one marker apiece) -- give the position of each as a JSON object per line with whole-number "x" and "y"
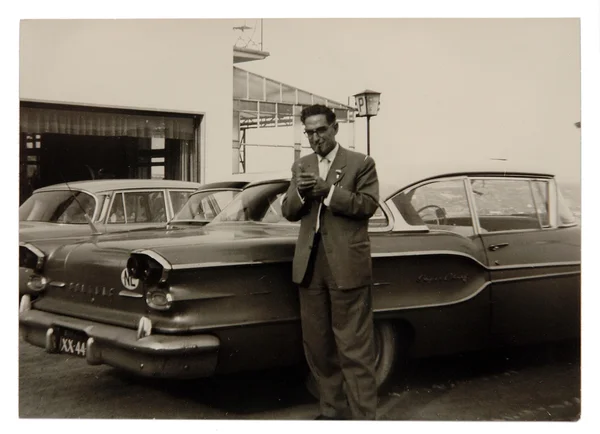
{"x": 166, "y": 356}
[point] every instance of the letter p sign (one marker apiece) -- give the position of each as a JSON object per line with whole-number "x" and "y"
{"x": 361, "y": 105}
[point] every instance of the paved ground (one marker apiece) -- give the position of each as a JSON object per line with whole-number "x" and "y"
{"x": 528, "y": 384}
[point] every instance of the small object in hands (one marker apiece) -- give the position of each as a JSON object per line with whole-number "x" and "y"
{"x": 304, "y": 180}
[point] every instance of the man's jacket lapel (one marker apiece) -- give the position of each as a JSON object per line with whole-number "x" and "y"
{"x": 336, "y": 170}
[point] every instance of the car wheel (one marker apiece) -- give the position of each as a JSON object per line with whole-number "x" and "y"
{"x": 387, "y": 351}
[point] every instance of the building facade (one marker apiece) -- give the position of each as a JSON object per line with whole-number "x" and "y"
{"x": 124, "y": 98}
{"x": 143, "y": 99}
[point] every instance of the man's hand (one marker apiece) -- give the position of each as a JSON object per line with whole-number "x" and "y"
{"x": 320, "y": 189}
{"x": 305, "y": 181}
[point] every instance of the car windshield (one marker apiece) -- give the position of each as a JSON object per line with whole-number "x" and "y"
{"x": 58, "y": 207}
{"x": 203, "y": 206}
{"x": 258, "y": 203}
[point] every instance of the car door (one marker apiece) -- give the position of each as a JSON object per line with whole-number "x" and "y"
{"x": 429, "y": 267}
{"x": 532, "y": 261}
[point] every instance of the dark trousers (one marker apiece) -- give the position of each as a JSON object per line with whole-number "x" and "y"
{"x": 337, "y": 330}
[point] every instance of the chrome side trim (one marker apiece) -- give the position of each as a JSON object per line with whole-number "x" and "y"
{"x": 427, "y": 253}
{"x": 515, "y": 231}
{"x": 465, "y": 255}
{"x": 534, "y": 265}
{"x": 130, "y": 294}
{"x": 385, "y": 255}
{"x": 481, "y": 288}
{"x": 425, "y": 306}
{"x": 289, "y": 319}
{"x": 166, "y": 265}
{"x": 538, "y": 276}
{"x": 158, "y": 258}
{"x": 230, "y": 264}
{"x": 34, "y": 249}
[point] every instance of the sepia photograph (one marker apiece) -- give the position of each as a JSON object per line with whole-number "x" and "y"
{"x": 300, "y": 218}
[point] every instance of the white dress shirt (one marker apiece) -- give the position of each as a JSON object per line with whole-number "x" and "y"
{"x": 326, "y": 163}
{"x": 324, "y": 167}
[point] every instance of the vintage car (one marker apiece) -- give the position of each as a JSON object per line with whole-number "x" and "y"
{"x": 59, "y": 211}
{"x": 462, "y": 260}
{"x": 77, "y": 211}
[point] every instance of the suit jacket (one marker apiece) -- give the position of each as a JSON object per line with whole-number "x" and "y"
{"x": 344, "y": 222}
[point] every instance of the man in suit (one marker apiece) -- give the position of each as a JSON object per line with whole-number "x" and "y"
{"x": 334, "y": 192}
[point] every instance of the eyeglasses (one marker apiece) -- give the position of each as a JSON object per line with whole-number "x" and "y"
{"x": 320, "y": 131}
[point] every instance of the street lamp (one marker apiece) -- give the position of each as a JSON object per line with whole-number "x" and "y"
{"x": 367, "y": 103}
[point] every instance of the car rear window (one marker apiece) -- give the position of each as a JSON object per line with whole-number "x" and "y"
{"x": 58, "y": 207}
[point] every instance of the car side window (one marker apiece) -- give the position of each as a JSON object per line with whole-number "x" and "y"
{"x": 78, "y": 208}
{"x": 440, "y": 205}
{"x": 205, "y": 205}
{"x": 273, "y": 213}
{"x": 145, "y": 206}
{"x": 207, "y": 209}
{"x": 156, "y": 206}
{"x": 259, "y": 203}
{"x": 178, "y": 199}
{"x": 566, "y": 217}
{"x": 138, "y": 207}
{"x": 117, "y": 211}
{"x": 507, "y": 204}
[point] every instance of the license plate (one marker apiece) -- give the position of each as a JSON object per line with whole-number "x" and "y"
{"x": 71, "y": 342}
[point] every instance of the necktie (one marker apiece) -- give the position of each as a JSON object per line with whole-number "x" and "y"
{"x": 323, "y": 170}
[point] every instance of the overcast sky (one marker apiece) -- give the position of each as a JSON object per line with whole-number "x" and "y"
{"x": 452, "y": 89}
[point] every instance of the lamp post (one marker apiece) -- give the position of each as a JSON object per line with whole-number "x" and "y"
{"x": 367, "y": 103}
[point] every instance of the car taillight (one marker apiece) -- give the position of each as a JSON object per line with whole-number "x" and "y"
{"x": 144, "y": 268}
{"x": 31, "y": 257}
{"x": 159, "y": 300}
{"x": 152, "y": 269}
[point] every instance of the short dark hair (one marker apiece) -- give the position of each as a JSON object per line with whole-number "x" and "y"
{"x": 318, "y": 109}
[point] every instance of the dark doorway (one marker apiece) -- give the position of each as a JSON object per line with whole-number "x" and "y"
{"x": 71, "y": 158}
{"x": 70, "y": 143}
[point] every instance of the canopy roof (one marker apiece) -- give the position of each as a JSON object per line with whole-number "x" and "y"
{"x": 264, "y": 102}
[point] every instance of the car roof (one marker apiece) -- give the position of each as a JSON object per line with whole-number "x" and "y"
{"x": 407, "y": 174}
{"x": 96, "y": 186}
{"x": 261, "y": 176}
{"x": 223, "y": 185}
